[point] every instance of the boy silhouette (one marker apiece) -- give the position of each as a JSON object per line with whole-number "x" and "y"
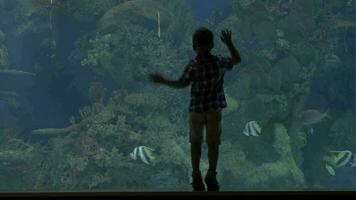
{"x": 206, "y": 73}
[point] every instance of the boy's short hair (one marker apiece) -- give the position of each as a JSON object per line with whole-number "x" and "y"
{"x": 203, "y": 36}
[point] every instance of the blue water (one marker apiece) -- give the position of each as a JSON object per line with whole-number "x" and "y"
{"x": 203, "y": 10}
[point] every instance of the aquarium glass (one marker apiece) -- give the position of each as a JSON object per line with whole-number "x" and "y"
{"x": 76, "y": 99}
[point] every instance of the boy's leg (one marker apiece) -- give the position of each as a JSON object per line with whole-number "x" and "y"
{"x": 197, "y": 122}
{"x": 213, "y": 133}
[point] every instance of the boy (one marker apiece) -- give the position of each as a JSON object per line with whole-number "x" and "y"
{"x": 206, "y": 73}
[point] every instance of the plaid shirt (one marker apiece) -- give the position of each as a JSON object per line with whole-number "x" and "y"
{"x": 207, "y": 75}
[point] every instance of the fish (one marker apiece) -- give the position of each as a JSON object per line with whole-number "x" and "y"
{"x": 143, "y": 153}
{"x": 309, "y": 117}
{"x": 330, "y": 170}
{"x": 353, "y": 163}
{"x": 345, "y": 24}
{"x": 252, "y": 128}
{"x": 332, "y": 59}
{"x": 342, "y": 158}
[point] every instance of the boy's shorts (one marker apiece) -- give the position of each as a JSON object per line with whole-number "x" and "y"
{"x": 211, "y": 120}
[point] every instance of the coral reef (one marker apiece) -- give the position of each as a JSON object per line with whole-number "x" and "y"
{"x": 85, "y": 11}
{"x": 342, "y": 132}
{"x": 135, "y": 12}
{"x": 266, "y": 175}
{"x": 3, "y": 57}
{"x": 3, "y": 52}
{"x": 118, "y": 123}
{"x": 107, "y": 55}
{"x": 282, "y": 67}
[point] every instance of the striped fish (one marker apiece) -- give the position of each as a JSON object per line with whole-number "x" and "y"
{"x": 343, "y": 158}
{"x": 330, "y": 170}
{"x": 353, "y": 163}
{"x": 143, "y": 153}
{"x": 252, "y": 128}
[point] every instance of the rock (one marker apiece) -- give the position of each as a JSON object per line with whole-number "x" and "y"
{"x": 2, "y": 36}
{"x": 265, "y": 31}
{"x": 304, "y": 52}
{"x": 50, "y": 131}
{"x": 3, "y": 56}
{"x": 275, "y": 80}
{"x": 242, "y": 87}
{"x": 15, "y": 80}
{"x": 232, "y": 104}
{"x": 140, "y": 12}
{"x": 287, "y": 68}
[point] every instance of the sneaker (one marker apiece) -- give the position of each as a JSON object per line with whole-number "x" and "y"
{"x": 211, "y": 182}
{"x": 198, "y": 184}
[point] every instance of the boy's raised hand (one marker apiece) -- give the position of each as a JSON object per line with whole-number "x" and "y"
{"x": 226, "y": 37}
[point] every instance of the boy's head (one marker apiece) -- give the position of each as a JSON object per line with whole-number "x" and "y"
{"x": 203, "y": 40}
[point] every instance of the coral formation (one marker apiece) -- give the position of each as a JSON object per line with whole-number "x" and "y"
{"x": 266, "y": 175}
{"x": 272, "y": 85}
{"x": 3, "y": 57}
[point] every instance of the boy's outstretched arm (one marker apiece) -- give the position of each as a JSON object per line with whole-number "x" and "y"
{"x": 226, "y": 38}
{"x": 156, "y": 78}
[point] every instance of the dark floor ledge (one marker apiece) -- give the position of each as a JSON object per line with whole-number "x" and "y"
{"x": 175, "y": 193}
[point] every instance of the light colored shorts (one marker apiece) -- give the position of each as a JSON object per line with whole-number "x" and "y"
{"x": 211, "y": 121}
